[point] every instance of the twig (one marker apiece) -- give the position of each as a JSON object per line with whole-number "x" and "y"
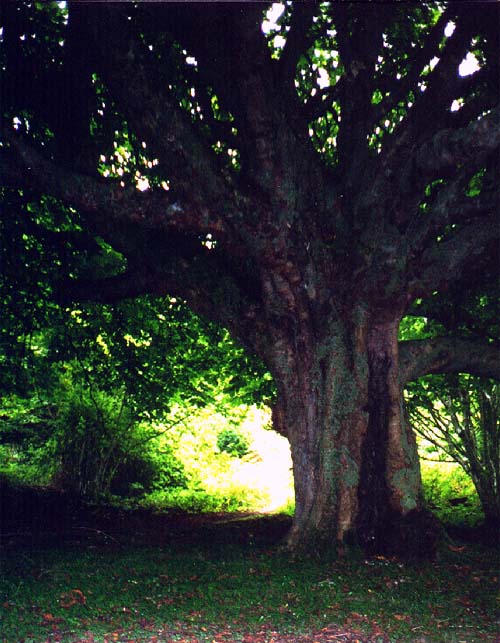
{"x": 99, "y": 531}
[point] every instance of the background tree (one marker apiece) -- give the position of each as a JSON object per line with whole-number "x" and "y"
{"x": 301, "y": 187}
{"x": 460, "y": 417}
{"x": 459, "y": 414}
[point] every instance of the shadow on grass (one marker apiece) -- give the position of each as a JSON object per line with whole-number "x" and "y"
{"x": 72, "y": 572}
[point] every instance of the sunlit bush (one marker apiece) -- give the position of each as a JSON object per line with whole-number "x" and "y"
{"x": 233, "y": 442}
{"x": 98, "y": 445}
{"x": 212, "y": 478}
{"x": 450, "y": 494}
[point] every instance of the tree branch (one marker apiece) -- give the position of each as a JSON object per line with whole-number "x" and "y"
{"x": 443, "y": 85}
{"x": 203, "y": 281}
{"x": 188, "y": 161}
{"x": 298, "y": 39}
{"x": 442, "y": 81}
{"x": 359, "y": 36}
{"x": 448, "y": 355}
{"x": 450, "y": 206}
{"x": 445, "y": 261}
{"x": 421, "y": 58}
{"x": 449, "y": 149}
{"x": 156, "y": 209}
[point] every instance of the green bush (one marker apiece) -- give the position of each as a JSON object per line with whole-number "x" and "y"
{"x": 26, "y": 425}
{"x": 134, "y": 476}
{"x": 196, "y": 474}
{"x": 450, "y": 494}
{"x": 27, "y": 466}
{"x": 98, "y": 445}
{"x": 233, "y": 442}
{"x": 197, "y": 499}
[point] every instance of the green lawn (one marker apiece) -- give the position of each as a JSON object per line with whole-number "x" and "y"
{"x": 226, "y": 591}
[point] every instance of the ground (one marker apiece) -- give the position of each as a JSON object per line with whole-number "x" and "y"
{"x": 80, "y": 574}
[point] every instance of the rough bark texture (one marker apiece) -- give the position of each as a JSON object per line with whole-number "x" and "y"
{"x": 330, "y": 209}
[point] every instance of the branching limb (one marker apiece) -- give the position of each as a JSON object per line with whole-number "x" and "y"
{"x": 202, "y": 281}
{"x": 442, "y": 86}
{"x": 421, "y": 58}
{"x": 451, "y": 207}
{"x": 359, "y": 36}
{"x": 466, "y": 250}
{"x": 153, "y": 111}
{"x": 448, "y": 355}
{"x": 450, "y": 149}
{"x": 443, "y": 80}
{"x": 298, "y": 39}
{"x": 23, "y": 166}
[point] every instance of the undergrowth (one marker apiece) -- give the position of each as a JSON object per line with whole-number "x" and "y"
{"x": 450, "y": 494}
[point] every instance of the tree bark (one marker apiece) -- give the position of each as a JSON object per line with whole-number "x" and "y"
{"x": 324, "y": 398}
{"x": 355, "y": 462}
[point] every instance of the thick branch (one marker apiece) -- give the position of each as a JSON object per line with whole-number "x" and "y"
{"x": 298, "y": 39}
{"x": 74, "y": 98}
{"x": 448, "y": 355}
{"x": 110, "y": 290}
{"x": 451, "y": 206}
{"x": 23, "y": 166}
{"x": 447, "y": 260}
{"x": 443, "y": 81}
{"x": 153, "y": 110}
{"x": 421, "y": 58}
{"x": 224, "y": 38}
{"x": 201, "y": 281}
{"x": 359, "y": 36}
{"x": 443, "y": 85}
{"x": 452, "y": 148}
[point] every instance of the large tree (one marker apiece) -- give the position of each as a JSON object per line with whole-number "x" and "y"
{"x": 305, "y": 184}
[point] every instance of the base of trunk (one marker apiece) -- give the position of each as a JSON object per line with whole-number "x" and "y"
{"x": 413, "y": 537}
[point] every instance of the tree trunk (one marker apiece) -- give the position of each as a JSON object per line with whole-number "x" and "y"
{"x": 355, "y": 462}
{"x": 487, "y": 490}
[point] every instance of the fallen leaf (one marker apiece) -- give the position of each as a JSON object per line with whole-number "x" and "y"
{"x": 402, "y": 617}
{"x": 73, "y": 597}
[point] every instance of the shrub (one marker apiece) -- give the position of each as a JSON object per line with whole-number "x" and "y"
{"x": 26, "y": 425}
{"x": 230, "y": 497}
{"x": 134, "y": 476}
{"x": 99, "y": 446}
{"x": 450, "y": 494}
{"x": 233, "y": 442}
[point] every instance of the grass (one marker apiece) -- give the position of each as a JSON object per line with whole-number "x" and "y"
{"x": 215, "y": 590}
{"x": 109, "y": 575}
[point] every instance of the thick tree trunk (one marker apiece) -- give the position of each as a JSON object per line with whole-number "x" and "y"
{"x": 390, "y": 516}
{"x": 356, "y": 470}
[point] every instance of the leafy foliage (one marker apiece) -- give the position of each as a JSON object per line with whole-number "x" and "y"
{"x": 233, "y": 442}
{"x": 210, "y": 475}
{"x": 460, "y": 416}
{"x": 450, "y": 494}
{"x": 101, "y": 370}
{"x": 95, "y": 434}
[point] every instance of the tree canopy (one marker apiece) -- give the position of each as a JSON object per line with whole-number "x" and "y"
{"x": 304, "y": 182}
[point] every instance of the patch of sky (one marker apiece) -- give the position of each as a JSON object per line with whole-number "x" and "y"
{"x": 469, "y": 65}
{"x": 274, "y": 13}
